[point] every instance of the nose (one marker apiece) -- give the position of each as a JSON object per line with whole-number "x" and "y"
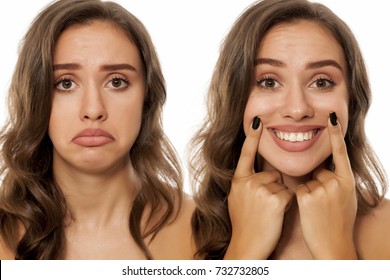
{"x": 296, "y": 104}
{"x": 93, "y": 105}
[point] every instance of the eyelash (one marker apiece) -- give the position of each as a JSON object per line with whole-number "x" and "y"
{"x": 122, "y": 79}
{"x": 267, "y": 78}
{"x": 330, "y": 82}
{"x": 65, "y": 78}
{"x": 327, "y": 80}
{"x": 60, "y": 80}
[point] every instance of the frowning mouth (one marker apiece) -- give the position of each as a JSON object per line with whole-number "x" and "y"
{"x": 92, "y": 137}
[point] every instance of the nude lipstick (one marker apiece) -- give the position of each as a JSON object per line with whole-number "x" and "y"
{"x": 295, "y": 138}
{"x": 93, "y": 137}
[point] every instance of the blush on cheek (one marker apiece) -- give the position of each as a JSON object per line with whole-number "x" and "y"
{"x": 259, "y": 106}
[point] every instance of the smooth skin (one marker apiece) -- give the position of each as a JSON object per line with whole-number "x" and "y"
{"x": 294, "y": 208}
{"x": 323, "y": 217}
{"x": 260, "y": 197}
{"x": 328, "y": 205}
{"x": 99, "y": 84}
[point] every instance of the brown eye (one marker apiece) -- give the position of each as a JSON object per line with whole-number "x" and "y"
{"x": 118, "y": 83}
{"x": 322, "y": 83}
{"x": 65, "y": 85}
{"x": 268, "y": 83}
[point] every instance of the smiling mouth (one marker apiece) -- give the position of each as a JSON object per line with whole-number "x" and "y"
{"x": 296, "y": 136}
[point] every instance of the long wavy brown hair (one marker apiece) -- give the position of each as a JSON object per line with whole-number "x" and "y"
{"x": 217, "y": 145}
{"x": 29, "y": 195}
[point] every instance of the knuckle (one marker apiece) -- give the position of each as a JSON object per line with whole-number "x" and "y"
{"x": 278, "y": 202}
{"x": 262, "y": 192}
{"x": 333, "y": 183}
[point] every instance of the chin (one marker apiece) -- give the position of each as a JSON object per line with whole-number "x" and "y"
{"x": 294, "y": 172}
{"x": 295, "y": 168}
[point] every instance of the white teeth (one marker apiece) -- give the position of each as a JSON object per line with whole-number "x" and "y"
{"x": 295, "y": 136}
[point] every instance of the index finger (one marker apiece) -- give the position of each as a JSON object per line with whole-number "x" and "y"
{"x": 245, "y": 165}
{"x": 339, "y": 149}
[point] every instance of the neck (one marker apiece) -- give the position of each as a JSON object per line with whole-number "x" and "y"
{"x": 97, "y": 199}
{"x": 293, "y": 182}
{"x": 291, "y": 244}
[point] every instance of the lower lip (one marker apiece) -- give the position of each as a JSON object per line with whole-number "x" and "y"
{"x": 295, "y": 146}
{"x": 92, "y": 141}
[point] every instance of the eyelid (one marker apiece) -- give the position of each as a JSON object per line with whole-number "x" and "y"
{"x": 322, "y": 77}
{"x": 266, "y": 77}
{"x": 59, "y": 80}
{"x": 121, "y": 77}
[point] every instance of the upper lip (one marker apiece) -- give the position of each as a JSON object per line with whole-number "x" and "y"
{"x": 293, "y": 128}
{"x": 91, "y": 132}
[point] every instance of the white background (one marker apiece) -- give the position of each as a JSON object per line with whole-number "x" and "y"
{"x": 187, "y": 35}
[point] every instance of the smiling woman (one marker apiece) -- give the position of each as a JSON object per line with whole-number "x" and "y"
{"x": 188, "y": 48}
{"x": 88, "y": 172}
{"x": 202, "y": 38}
{"x": 282, "y": 165}
{"x": 307, "y": 82}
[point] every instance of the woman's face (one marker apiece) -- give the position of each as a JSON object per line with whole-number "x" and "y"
{"x": 98, "y": 94}
{"x": 300, "y": 76}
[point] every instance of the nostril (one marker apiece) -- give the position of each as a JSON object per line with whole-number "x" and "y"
{"x": 88, "y": 117}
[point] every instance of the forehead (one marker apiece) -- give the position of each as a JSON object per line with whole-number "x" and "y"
{"x": 95, "y": 37}
{"x": 95, "y": 26}
{"x": 301, "y": 41}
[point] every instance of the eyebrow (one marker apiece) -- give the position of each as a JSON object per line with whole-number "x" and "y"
{"x": 107, "y": 67}
{"x": 66, "y": 66}
{"x": 114, "y": 67}
{"x": 323, "y": 63}
{"x": 311, "y": 65}
{"x": 270, "y": 61}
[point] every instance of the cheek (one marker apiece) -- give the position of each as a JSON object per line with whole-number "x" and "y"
{"x": 128, "y": 118}
{"x": 337, "y": 105}
{"x": 257, "y": 105}
{"x": 60, "y": 115}
{"x": 343, "y": 116}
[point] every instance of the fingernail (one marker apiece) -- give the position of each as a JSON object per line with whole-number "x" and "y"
{"x": 333, "y": 118}
{"x": 256, "y": 123}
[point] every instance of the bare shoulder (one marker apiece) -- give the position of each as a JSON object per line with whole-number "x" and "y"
{"x": 373, "y": 231}
{"x": 182, "y": 225}
{"x": 187, "y": 208}
{"x": 5, "y": 252}
{"x": 175, "y": 240}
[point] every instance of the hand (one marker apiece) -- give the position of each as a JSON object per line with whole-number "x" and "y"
{"x": 328, "y": 205}
{"x": 257, "y": 203}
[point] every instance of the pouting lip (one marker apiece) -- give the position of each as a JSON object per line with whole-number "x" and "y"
{"x": 93, "y": 132}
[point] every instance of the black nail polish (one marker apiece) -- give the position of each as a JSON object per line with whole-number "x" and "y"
{"x": 256, "y": 123}
{"x": 333, "y": 118}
